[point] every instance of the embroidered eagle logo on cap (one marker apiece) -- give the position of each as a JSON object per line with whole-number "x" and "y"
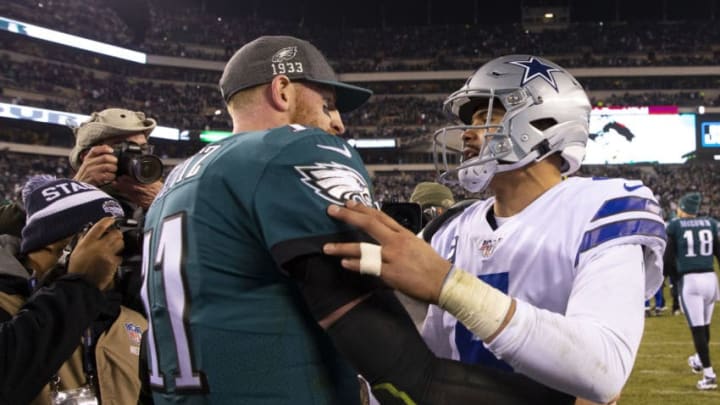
{"x": 284, "y": 54}
{"x": 336, "y": 182}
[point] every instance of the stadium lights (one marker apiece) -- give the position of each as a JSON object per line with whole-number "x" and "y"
{"x": 34, "y": 31}
{"x": 213, "y": 136}
{"x": 68, "y": 119}
{"x": 372, "y": 143}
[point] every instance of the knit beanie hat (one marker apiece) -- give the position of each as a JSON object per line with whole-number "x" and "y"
{"x": 430, "y": 194}
{"x": 59, "y": 208}
{"x": 690, "y": 203}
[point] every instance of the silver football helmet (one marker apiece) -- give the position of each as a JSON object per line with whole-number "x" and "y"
{"x": 546, "y": 111}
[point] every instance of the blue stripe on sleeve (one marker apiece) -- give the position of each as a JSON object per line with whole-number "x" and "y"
{"x": 626, "y": 204}
{"x": 602, "y": 234}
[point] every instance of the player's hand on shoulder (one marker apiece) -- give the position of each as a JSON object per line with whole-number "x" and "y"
{"x": 408, "y": 263}
{"x": 96, "y": 255}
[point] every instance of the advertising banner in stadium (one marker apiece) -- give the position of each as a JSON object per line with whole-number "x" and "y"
{"x": 708, "y": 136}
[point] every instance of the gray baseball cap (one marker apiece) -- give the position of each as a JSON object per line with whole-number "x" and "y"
{"x": 260, "y": 60}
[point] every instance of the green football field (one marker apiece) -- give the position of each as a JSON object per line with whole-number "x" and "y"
{"x": 661, "y": 374}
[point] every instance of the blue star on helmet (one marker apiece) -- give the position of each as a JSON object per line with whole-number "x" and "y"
{"x": 534, "y": 68}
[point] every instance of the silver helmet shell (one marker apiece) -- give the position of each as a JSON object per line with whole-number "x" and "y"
{"x": 546, "y": 112}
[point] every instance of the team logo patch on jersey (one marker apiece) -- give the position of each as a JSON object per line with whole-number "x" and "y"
{"x": 336, "y": 182}
{"x": 487, "y": 246}
{"x": 134, "y": 333}
{"x": 285, "y": 54}
{"x": 536, "y": 69}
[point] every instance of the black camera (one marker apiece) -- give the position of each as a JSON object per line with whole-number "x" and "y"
{"x": 132, "y": 232}
{"x": 128, "y": 279}
{"x": 406, "y": 214}
{"x": 138, "y": 162}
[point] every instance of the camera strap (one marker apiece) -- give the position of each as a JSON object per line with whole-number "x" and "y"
{"x": 89, "y": 370}
{"x": 88, "y": 360}
{"x": 32, "y": 282}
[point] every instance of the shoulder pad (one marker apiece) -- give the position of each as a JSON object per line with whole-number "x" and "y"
{"x": 433, "y": 226}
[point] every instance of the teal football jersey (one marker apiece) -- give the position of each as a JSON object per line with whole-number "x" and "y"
{"x": 227, "y": 325}
{"x": 694, "y": 241}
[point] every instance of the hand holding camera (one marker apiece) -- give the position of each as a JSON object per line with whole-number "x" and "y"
{"x": 132, "y": 170}
{"x": 99, "y": 167}
{"x": 97, "y": 254}
{"x": 102, "y": 164}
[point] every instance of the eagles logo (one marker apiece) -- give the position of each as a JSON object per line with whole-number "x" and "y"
{"x": 336, "y": 182}
{"x": 284, "y": 54}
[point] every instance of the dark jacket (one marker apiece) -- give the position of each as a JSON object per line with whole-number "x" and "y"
{"x": 12, "y": 219}
{"x": 46, "y": 330}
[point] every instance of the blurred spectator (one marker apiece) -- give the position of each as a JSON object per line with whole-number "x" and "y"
{"x": 433, "y": 198}
{"x": 58, "y": 211}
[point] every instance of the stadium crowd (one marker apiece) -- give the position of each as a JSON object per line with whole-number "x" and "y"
{"x": 68, "y": 80}
{"x": 54, "y": 77}
{"x": 51, "y": 76}
{"x": 669, "y": 182}
{"x": 60, "y": 86}
{"x": 386, "y": 49}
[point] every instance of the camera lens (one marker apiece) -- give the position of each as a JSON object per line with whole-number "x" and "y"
{"x": 147, "y": 169}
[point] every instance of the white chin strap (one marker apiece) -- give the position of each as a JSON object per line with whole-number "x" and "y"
{"x": 476, "y": 177}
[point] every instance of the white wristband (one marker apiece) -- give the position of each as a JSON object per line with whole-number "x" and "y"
{"x": 479, "y": 306}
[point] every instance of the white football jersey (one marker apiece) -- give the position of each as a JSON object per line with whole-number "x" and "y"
{"x": 536, "y": 255}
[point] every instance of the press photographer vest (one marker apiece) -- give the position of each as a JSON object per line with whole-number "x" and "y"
{"x": 116, "y": 358}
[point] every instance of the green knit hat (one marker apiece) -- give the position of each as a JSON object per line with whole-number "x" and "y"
{"x": 690, "y": 203}
{"x": 430, "y": 194}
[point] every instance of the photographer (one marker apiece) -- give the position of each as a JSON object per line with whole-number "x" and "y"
{"x": 434, "y": 198}
{"x": 54, "y": 311}
{"x": 112, "y": 152}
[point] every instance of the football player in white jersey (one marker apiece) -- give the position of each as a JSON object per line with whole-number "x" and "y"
{"x": 548, "y": 277}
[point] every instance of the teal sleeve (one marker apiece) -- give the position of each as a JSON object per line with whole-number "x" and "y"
{"x": 670, "y": 230}
{"x": 298, "y": 185}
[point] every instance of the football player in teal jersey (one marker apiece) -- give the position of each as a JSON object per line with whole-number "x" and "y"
{"x": 692, "y": 243}
{"x": 242, "y": 304}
